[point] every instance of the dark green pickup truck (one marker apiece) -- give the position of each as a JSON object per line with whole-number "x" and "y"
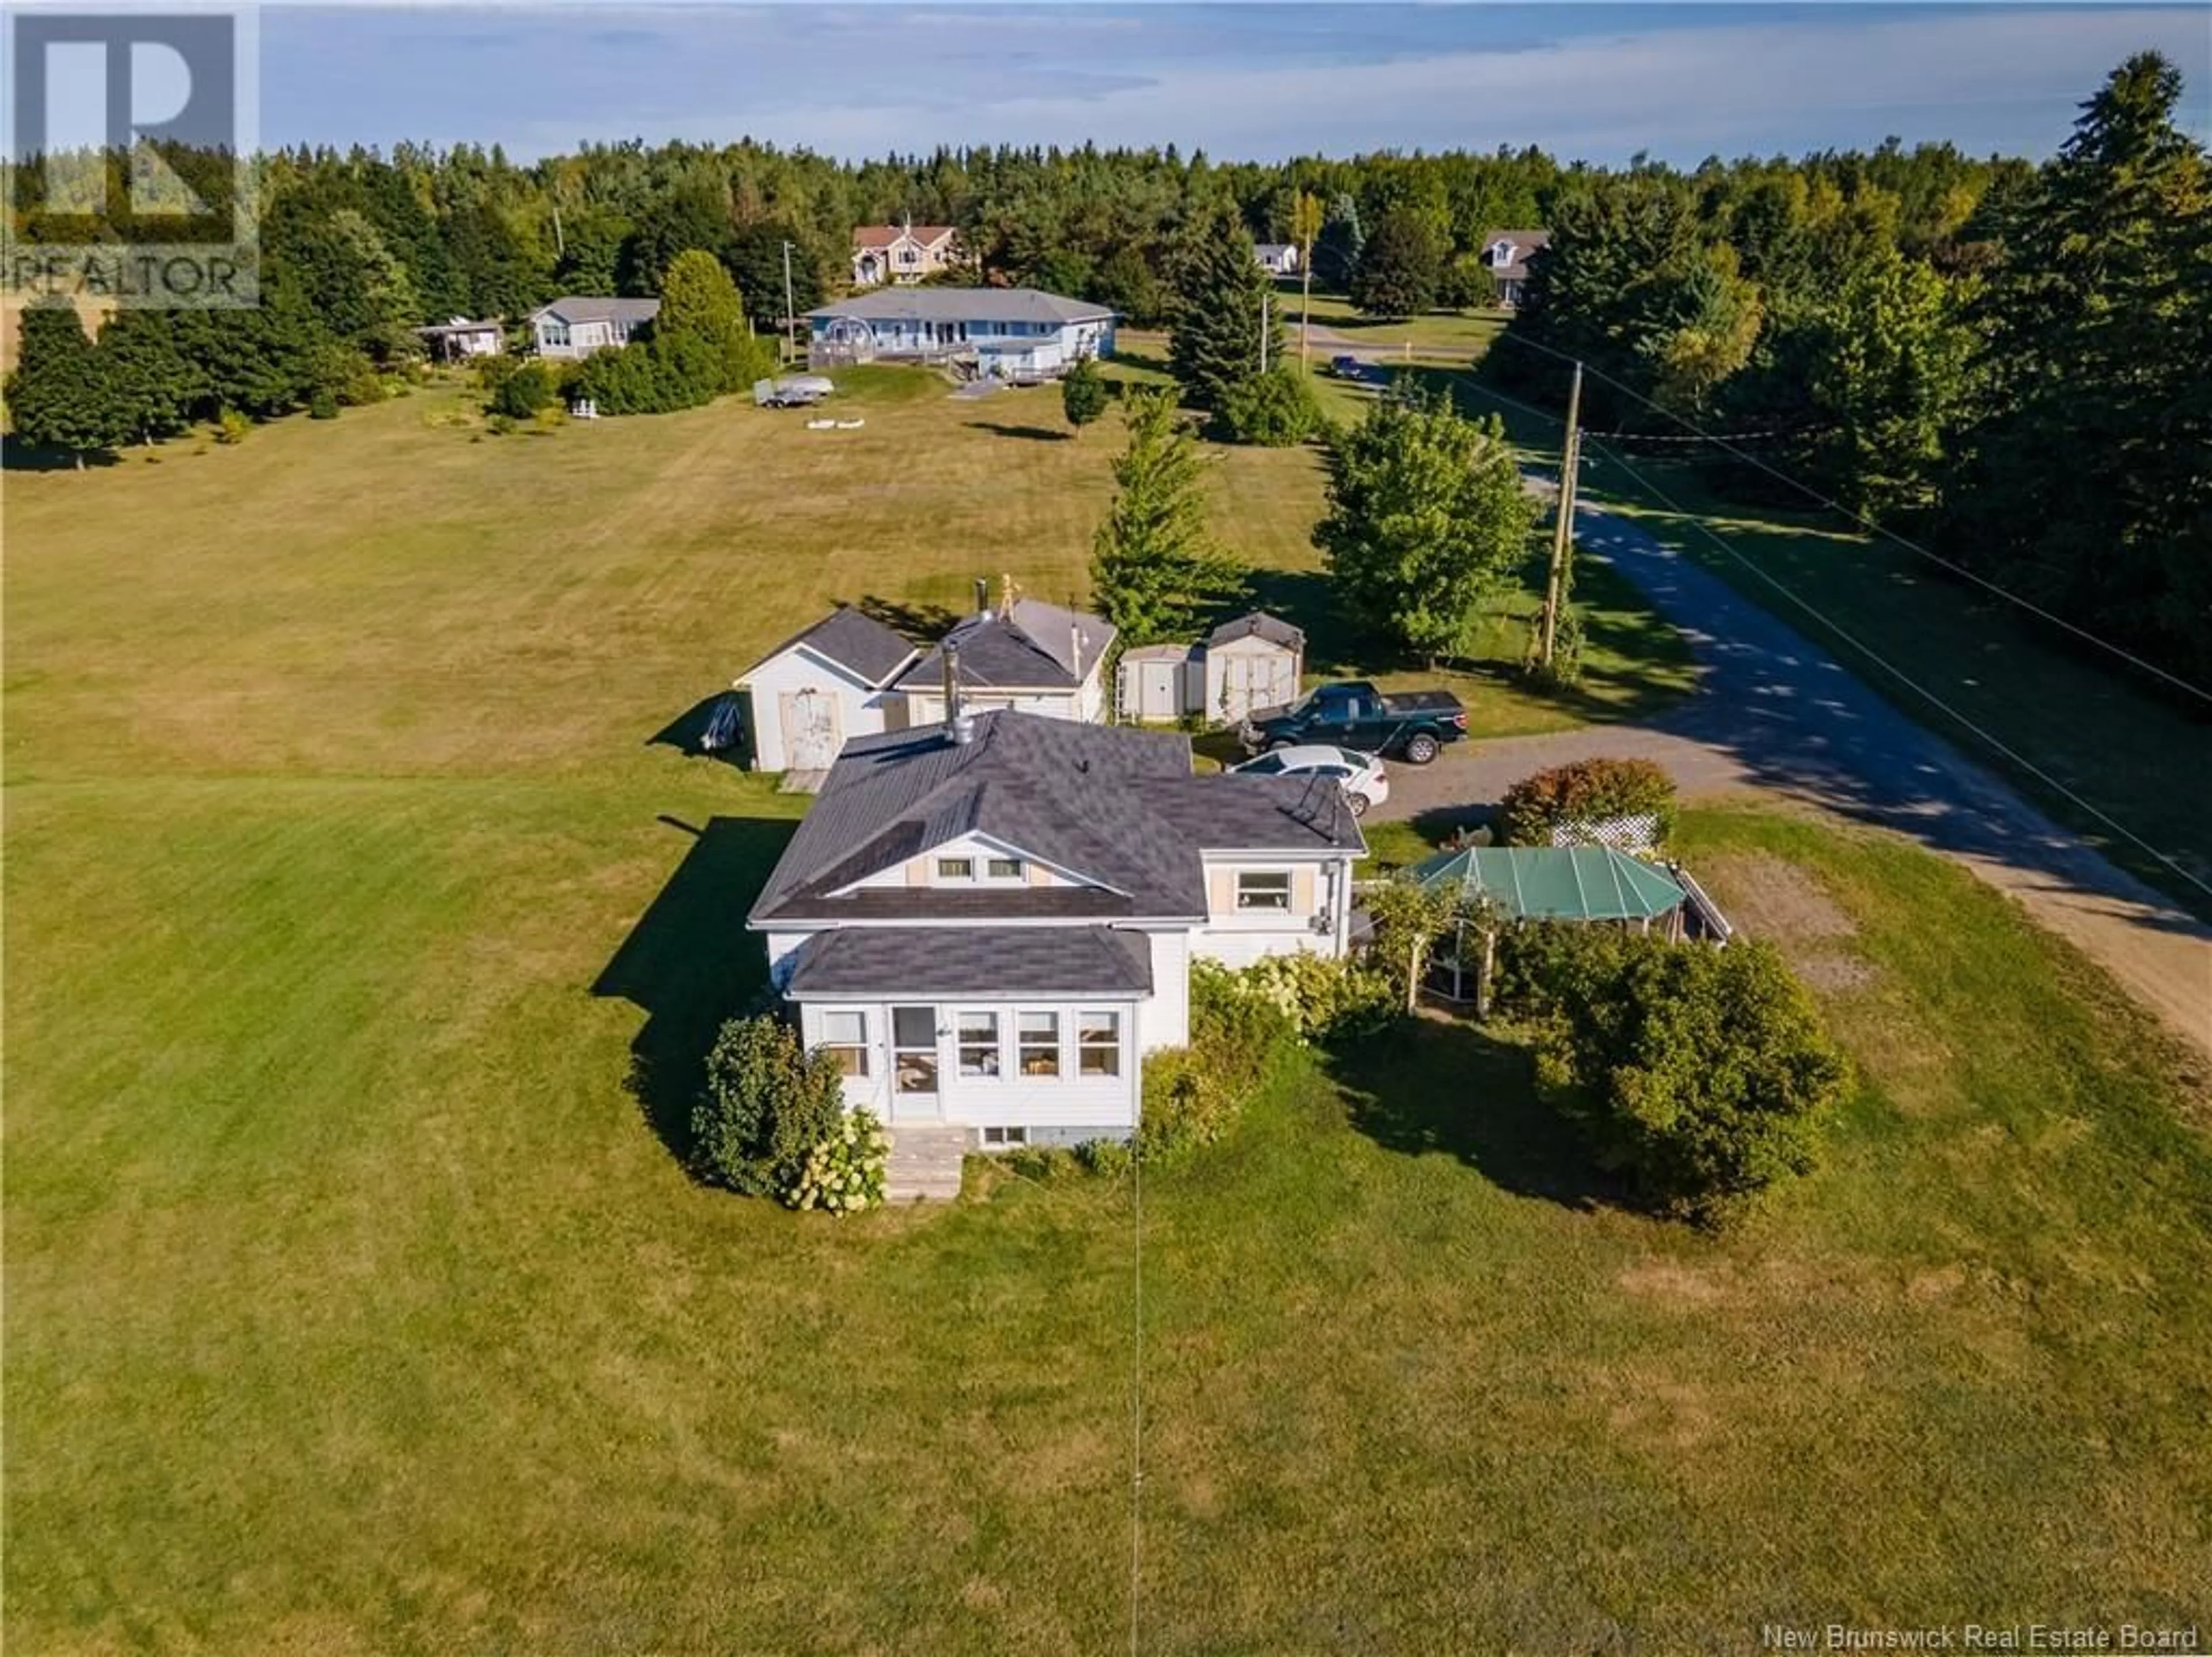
{"x": 1354, "y": 714}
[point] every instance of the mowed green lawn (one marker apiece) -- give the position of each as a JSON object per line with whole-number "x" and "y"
{"x": 355, "y": 1306}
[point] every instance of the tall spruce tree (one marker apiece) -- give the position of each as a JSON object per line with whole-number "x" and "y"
{"x": 1223, "y": 302}
{"x": 1155, "y": 571}
{"x": 57, "y": 398}
{"x": 2079, "y": 486}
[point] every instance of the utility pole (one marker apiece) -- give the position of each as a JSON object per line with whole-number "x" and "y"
{"x": 1563, "y": 531}
{"x": 790, "y": 322}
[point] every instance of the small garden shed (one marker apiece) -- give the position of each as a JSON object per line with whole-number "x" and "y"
{"x": 1160, "y": 682}
{"x": 1253, "y": 661}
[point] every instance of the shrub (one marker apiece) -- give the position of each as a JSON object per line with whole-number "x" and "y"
{"x": 550, "y": 419}
{"x": 1326, "y": 1000}
{"x": 1049, "y": 1165}
{"x": 1083, "y": 394}
{"x": 523, "y": 390}
{"x": 843, "y": 1172}
{"x": 323, "y": 404}
{"x": 768, "y": 1104}
{"x": 499, "y": 424}
{"x": 1108, "y": 1159}
{"x": 1582, "y": 791}
{"x": 1238, "y": 1032}
{"x": 231, "y": 427}
{"x": 1274, "y": 410}
{"x": 1186, "y": 1104}
{"x": 1705, "y": 1076}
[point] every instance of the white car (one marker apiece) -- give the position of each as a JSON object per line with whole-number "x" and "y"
{"x": 1365, "y": 782}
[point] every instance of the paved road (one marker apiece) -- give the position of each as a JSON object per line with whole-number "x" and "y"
{"x": 1776, "y": 713}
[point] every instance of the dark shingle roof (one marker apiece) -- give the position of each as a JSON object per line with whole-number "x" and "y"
{"x": 851, "y": 640}
{"x": 1273, "y": 629}
{"x": 1526, "y": 244}
{"x": 1025, "y": 960}
{"x": 1035, "y": 646}
{"x": 1117, "y": 806}
{"x": 970, "y": 305}
{"x": 586, "y": 307}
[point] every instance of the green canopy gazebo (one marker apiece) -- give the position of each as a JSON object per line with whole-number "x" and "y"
{"x": 1547, "y": 883}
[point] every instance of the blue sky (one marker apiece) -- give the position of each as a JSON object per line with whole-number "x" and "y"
{"x": 1245, "y": 80}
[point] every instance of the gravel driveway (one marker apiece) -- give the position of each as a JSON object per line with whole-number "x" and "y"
{"x": 1775, "y": 713}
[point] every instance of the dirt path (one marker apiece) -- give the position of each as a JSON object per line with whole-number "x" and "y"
{"x": 1776, "y": 714}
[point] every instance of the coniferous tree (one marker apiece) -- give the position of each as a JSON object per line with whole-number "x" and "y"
{"x": 154, "y": 384}
{"x": 1083, "y": 394}
{"x": 2080, "y": 486}
{"x": 1399, "y": 266}
{"x": 57, "y": 397}
{"x": 1342, "y": 241}
{"x": 1222, "y": 304}
{"x": 1155, "y": 571}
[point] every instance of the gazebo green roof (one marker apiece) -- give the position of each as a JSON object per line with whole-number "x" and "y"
{"x": 1556, "y": 883}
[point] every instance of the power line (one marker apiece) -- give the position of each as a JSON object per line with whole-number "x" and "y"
{"x": 1722, "y": 441}
{"x": 1907, "y": 680}
{"x": 1137, "y": 1400}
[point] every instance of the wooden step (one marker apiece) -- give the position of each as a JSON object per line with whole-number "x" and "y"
{"x": 924, "y": 1163}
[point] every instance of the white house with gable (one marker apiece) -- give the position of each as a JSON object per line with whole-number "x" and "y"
{"x": 850, "y": 675}
{"x": 820, "y": 686}
{"x": 990, "y": 920}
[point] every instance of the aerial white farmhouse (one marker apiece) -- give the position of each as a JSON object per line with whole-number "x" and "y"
{"x": 990, "y": 920}
{"x": 849, "y": 675}
{"x": 1006, "y": 332}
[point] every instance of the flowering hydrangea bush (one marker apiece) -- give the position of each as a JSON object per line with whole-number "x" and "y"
{"x": 844, "y": 1173}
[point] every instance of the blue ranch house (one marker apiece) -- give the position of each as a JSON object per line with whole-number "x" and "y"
{"x": 1010, "y": 333}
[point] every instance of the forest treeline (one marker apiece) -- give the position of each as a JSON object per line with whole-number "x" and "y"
{"x": 2004, "y": 357}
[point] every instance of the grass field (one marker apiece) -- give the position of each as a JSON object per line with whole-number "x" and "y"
{"x": 1457, "y": 335}
{"x": 354, "y": 1306}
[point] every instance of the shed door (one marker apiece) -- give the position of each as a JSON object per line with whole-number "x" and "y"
{"x": 1156, "y": 690}
{"x": 1236, "y": 680}
{"x": 810, "y": 730}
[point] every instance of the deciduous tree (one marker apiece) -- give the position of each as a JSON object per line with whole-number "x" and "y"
{"x": 1426, "y": 517}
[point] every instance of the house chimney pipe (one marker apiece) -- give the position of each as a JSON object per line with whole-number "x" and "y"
{"x": 958, "y": 728}
{"x": 982, "y": 595}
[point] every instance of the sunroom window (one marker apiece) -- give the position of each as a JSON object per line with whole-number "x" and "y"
{"x": 845, "y": 1039}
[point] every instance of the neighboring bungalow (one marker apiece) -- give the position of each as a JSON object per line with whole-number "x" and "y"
{"x": 1505, "y": 255}
{"x": 823, "y": 686}
{"x": 1254, "y": 661}
{"x": 1005, "y": 332}
{"x": 989, "y": 923}
{"x": 902, "y": 253}
{"x": 459, "y": 339}
{"x": 848, "y": 675}
{"x": 1030, "y": 656}
{"x": 577, "y": 324}
{"x": 1277, "y": 257}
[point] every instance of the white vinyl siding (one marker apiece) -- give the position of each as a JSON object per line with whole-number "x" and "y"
{"x": 859, "y": 710}
{"x": 1070, "y": 1098}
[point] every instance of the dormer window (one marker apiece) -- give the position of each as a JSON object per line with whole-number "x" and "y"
{"x": 993, "y": 871}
